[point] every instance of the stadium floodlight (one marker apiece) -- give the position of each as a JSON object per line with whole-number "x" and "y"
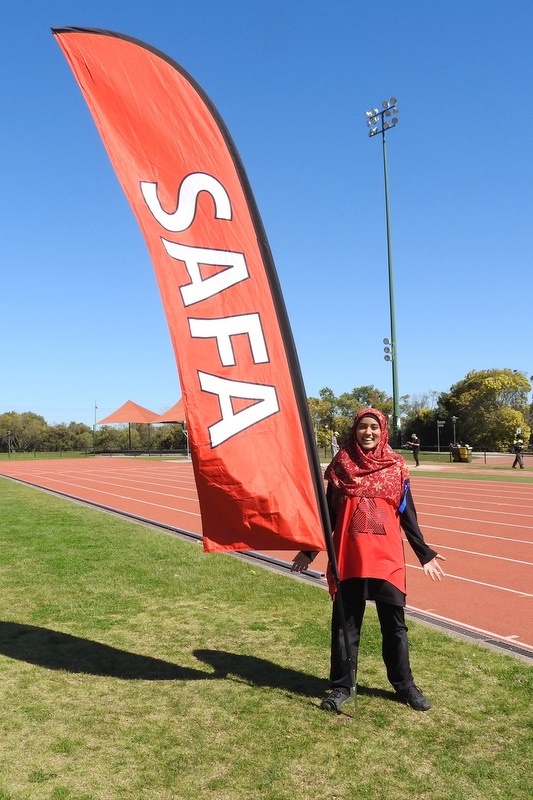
{"x": 376, "y": 119}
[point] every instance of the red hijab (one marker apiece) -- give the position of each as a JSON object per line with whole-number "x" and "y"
{"x": 368, "y": 473}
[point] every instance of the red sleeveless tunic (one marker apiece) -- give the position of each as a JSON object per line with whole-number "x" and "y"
{"x": 368, "y": 541}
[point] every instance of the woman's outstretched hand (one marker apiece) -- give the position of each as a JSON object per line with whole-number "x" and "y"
{"x": 300, "y": 562}
{"x": 434, "y": 569}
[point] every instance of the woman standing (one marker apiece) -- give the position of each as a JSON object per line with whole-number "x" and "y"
{"x": 370, "y": 501}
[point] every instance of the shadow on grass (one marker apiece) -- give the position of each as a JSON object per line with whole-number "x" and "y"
{"x": 260, "y": 672}
{"x": 368, "y": 691}
{"x": 55, "y": 650}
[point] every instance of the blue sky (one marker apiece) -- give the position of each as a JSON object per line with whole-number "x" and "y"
{"x": 81, "y": 319}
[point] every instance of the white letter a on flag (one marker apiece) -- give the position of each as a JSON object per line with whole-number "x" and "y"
{"x": 266, "y": 404}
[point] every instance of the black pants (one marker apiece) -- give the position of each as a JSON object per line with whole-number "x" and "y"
{"x": 395, "y": 648}
{"x": 416, "y": 451}
{"x": 519, "y": 459}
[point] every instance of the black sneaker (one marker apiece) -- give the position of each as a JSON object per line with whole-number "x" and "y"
{"x": 414, "y": 698}
{"x": 336, "y": 700}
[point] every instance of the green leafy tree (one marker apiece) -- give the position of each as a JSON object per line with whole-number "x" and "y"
{"x": 81, "y": 436}
{"x": 57, "y": 438}
{"x": 72, "y": 437}
{"x": 129, "y": 438}
{"x": 370, "y": 396}
{"x": 423, "y": 422}
{"x": 27, "y": 430}
{"x": 331, "y": 413}
{"x": 170, "y": 436}
{"x": 108, "y": 438}
{"x": 350, "y": 403}
{"x": 490, "y": 405}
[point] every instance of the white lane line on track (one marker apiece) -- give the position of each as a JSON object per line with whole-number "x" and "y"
{"x": 118, "y": 480}
{"x": 144, "y": 487}
{"x": 477, "y": 521}
{"x": 489, "y": 500}
{"x": 147, "y": 503}
{"x": 125, "y": 497}
{"x": 85, "y": 488}
{"x": 512, "y": 510}
{"x": 440, "y": 547}
{"x": 447, "y": 485}
{"x": 512, "y": 638}
{"x": 479, "y": 583}
{"x": 481, "y": 535}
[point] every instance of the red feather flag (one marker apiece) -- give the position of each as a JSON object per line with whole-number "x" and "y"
{"x": 257, "y": 473}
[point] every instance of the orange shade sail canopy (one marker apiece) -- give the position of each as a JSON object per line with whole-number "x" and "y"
{"x": 174, "y": 414}
{"x": 130, "y": 412}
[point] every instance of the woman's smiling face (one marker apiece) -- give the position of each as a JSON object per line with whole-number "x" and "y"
{"x": 368, "y": 433}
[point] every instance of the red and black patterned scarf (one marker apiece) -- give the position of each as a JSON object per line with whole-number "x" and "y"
{"x": 381, "y": 472}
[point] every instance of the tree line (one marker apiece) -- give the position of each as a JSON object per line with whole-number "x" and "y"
{"x": 485, "y": 410}
{"x": 29, "y": 432}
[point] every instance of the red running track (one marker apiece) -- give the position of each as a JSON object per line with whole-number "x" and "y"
{"x": 484, "y": 529}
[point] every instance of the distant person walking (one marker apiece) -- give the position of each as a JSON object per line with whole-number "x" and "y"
{"x": 518, "y": 449}
{"x": 414, "y": 444}
{"x": 334, "y": 444}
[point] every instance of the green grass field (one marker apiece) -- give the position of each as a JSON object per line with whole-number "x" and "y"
{"x": 135, "y": 667}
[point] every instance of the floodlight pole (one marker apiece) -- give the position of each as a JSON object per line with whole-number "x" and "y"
{"x": 94, "y": 429}
{"x": 376, "y": 119}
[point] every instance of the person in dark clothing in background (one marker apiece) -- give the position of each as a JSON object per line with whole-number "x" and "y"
{"x": 518, "y": 449}
{"x": 414, "y": 444}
